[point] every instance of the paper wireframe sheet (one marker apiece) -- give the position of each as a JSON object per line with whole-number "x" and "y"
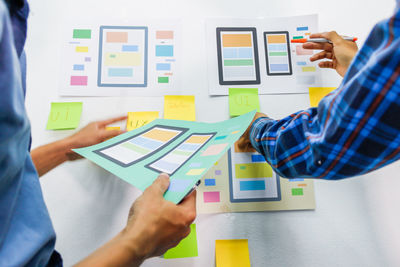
{"x": 114, "y": 58}
{"x": 243, "y": 181}
{"x": 183, "y": 149}
{"x": 258, "y": 53}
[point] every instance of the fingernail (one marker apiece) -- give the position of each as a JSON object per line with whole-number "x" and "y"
{"x": 164, "y": 175}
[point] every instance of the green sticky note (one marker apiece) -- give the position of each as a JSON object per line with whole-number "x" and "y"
{"x": 82, "y": 34}
{"x": 243, "y": 100}
{"x": 64, "y": 115}
{"x": 297, "y": 191}
{"x": 163, "y": 79}
{"x": 186, "y": 248}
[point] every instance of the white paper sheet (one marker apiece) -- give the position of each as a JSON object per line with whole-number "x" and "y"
{"x": 242, "y": 55}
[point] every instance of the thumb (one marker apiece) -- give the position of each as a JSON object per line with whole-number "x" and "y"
{"x": 332, "y": 36}
{"x": 161, "y": 184}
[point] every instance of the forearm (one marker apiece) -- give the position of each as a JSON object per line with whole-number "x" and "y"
{"x": 285, "y": 145}
{"x": 121, "y": 251}
{"x": 49, "y": 156}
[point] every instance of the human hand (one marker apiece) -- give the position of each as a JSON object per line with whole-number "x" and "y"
{"x": 92, "y": 134}
{"x": 244, "y": 143}
{"x": 155, "y": 224}
{"x": 340, "y": 52}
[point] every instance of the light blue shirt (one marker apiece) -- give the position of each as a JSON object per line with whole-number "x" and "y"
{"x": 27, "y": 236}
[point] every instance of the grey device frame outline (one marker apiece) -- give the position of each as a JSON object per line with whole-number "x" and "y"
{"x": 289, "y": 54}
{"x": 256, "y": 56}
{"x": 124, "y": 165}
{"x": 146, "y": 52}
{"x": 278, "y": 185}
{"x": 170, "y": 174}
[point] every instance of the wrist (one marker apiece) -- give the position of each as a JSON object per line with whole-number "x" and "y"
{"x": 70, "y": 143}
{"x": 133, "y": 245}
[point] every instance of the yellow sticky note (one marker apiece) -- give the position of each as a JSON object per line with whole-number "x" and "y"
{"x": 179, "y": 107}
{"x": 232, "y": 253}
{"x": 139, "y": 119}
{"x": 317, "y": 93}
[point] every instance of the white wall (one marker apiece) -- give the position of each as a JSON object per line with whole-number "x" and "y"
{"x": 356, "y": 222}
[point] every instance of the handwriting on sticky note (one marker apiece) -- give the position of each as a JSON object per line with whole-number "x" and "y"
{"x": 139, "y": 119}
{"x": 243, "y": 100}
{"x": 317, "y": 93}
{"x": 64, "y": 115}
{"x": 230, "y": 253}
{"x": 179, "y": 107}
{"x": 186, "y": 248}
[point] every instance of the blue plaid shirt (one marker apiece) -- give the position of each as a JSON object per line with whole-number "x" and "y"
{"x": 355, "y": 129}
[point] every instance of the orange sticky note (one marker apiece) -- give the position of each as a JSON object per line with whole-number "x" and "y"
{"x": 179, "y": 107}
{"x": 139, "y": 119}
{"x": 317, "y": 93}
{"x": 232, "y": 253}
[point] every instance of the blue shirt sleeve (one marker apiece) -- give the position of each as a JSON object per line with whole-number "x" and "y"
{"x": 354, "y": 130}
{"x": 26, "y": 233}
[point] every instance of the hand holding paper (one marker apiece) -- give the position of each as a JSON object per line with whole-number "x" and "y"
{"x": 94, "y": 133}
{"x": 160, "y": 224}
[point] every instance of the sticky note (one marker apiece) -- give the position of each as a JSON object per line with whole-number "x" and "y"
{"x": 186, "y": 248}
{"x": 179, "y": 107}
{"x": 243, "y": 100}
{"x": 230, "y": 253}
{"x": 317, "y": 93}
{"x": 139, "y": 119}
{"x": 112, "y": 128}
{"x": 64, "y": 115}
{"x": 211, "y": 197}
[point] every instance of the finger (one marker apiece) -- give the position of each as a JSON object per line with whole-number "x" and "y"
{"x": 161, "y": 184}
{"x": 321, "y": 55}
{"x": 318, "y": 46}
{"x": 106, "y": 134}
{"x": 316, "y": 35}
{"x": 326, "y": 65}
{"x": 332, "y": 36}
{"x": 109, "y": 121}
{"x": 189, "y": 205}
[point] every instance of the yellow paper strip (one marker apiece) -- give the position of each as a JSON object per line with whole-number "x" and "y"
{"x": 82, "y": 49}
{"x": 309, "y": 69}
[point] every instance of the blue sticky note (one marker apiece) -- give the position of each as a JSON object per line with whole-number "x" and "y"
{"x": 209, "y": 182}
{"x": 164, "y": 51}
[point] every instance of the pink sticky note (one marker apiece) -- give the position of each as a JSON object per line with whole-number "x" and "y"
{"x": 300, "y": 51}
{"x": 214, "y": 150}
{"x": 211, "y": 197}
{"x": 79, "y": 80}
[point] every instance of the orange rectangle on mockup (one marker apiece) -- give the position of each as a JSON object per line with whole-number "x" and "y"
{"x": 117, "y": 37}
{"x": 236, "y": 40}
{"x": 276, "y": 39}
{"x": 165, "y": 35}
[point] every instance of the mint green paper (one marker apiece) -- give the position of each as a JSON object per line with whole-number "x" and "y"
{"x": 139, "y": 174}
